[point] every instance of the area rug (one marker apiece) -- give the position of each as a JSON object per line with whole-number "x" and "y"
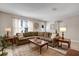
{"x": 33, "y": 50}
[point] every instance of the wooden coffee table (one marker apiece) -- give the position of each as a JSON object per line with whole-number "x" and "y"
{"x": 39, "y": 43}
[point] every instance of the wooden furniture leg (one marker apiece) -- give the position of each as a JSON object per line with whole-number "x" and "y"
{"x": 40, "y": 49}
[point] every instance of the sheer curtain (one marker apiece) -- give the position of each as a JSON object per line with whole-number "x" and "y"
{"x": 16, "y": 25}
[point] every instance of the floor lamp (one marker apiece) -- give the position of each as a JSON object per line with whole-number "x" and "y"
{"x": 62, "y": 29}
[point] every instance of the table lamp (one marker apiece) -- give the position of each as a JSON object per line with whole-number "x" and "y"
{"x": 62, "y": 29}
{"x": 8, "y": 30}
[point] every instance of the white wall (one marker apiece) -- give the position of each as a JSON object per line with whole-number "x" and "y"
{"x": 6, "y": 20}
{"x": 48, "y": 27}
{"x": 31, "y": 27}
{"x": 72, "y": 25}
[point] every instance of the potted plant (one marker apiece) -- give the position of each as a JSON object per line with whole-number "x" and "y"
{"x": 2, "y": 46}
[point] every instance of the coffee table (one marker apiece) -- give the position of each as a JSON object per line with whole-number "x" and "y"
{"x": 39, "y": 43}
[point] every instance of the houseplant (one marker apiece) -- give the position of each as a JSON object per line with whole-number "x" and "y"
{"x": 3, "y": 46}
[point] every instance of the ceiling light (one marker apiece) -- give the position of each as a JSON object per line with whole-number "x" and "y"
{"x": 54, "y": 9}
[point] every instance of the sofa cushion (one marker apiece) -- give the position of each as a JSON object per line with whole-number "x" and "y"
{"x": 25, "y": 34}
{"x": 40, "y": 33}
{"x": 34, "y": 33}
{"x": 49, "y": 35}
{"x": 45, "y": 34}
{"x": 22, "y": 38}
{"x": 20, "y": 35}
{"x": 48, "y": 39}
{"x": 30, "y": 34}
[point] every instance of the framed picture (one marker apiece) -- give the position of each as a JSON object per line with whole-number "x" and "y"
{"x": 52, "y": 26}
{"x": 42, "y": 26}
{"x": 36, "y": 25}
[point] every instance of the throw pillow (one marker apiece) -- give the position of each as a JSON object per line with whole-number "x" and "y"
{"x": 20, "y": 35}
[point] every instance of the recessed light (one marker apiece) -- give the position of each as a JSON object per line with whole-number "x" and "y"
{"x": 54, "y": 9}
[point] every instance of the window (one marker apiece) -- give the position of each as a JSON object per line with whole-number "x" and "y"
{"x": 24, "y": 26}
{"x": 20, "y": 25}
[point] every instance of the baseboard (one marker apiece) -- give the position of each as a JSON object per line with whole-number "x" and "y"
{"x": 74, "y": 41}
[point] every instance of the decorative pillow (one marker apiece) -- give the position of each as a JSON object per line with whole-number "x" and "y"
{"x": 20, "y": 35}
{"x": 40, "y": 34}
{"x": 45, "y": 34}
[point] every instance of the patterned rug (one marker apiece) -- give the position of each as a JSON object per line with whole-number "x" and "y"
{"x": 33, "y": 50}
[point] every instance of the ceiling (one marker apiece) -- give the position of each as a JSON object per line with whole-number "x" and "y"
{"x": 42, "y": 11}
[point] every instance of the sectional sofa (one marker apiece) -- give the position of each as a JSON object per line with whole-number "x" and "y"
{"x": 23, "y": 38}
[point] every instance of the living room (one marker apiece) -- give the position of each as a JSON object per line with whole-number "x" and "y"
{"x": 21, "y": 22}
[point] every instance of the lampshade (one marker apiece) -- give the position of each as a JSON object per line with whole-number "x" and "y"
{"x": 62, "y": 29}
{"x": 8, "y": 29}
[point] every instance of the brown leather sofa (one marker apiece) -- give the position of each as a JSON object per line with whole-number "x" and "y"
{"x": 26, "y": 36}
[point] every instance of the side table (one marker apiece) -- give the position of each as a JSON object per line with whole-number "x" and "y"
{"x": 68, "y": 41}
{"x": 10, "y": 40}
